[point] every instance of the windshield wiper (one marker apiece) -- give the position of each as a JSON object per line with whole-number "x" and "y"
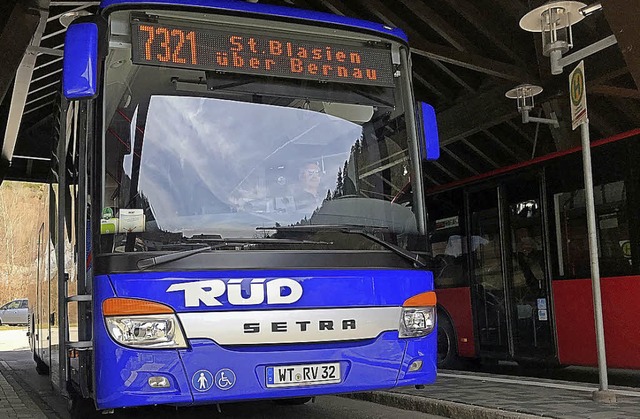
{"x": 254, "y": 240}
{"x": 407, "y": 254}
{"x": 171, "y": 257}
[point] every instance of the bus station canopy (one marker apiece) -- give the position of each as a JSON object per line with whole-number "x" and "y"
{"x": 466, "y": 54}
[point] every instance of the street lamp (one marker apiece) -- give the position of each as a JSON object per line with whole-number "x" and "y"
{"x": 554, "y": 20}
{"x": 524, "y": 95}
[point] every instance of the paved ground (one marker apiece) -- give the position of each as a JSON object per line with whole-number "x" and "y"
{"x": 471, "y": 395}
{"x": 26, "y": 395}
{"x": 456, "y": 394}
{"x": 14, "y": 339}
{"x": 17, "y": 400}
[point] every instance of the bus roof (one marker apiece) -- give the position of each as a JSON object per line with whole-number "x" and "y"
{"x": 270, "y": 10}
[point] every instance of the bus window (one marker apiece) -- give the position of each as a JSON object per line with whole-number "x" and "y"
{"x": 448, "y": 243}
{"x": 612, "y": 229}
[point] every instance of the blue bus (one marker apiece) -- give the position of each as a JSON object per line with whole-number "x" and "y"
{"x": 236, "y": 209}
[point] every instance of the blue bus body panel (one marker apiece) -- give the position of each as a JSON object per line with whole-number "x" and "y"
{"x": 336, "y": 288}
{"x": 269, "y": 11}
{"x": 376, "y": 363}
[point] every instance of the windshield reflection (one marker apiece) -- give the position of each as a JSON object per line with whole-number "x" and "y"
{"x": 179, "y": 167}
{"x": 249, "y": 164}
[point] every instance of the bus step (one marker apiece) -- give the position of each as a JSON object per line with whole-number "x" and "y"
{"x": 81, "y": 345}
{"x": 82, "y": 297}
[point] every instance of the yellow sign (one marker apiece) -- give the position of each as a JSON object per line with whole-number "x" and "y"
{"x": 626, "y": 248}
{"x": 578, "y": 94}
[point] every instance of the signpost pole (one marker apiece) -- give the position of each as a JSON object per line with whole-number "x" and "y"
{"x": 580, "y": 118}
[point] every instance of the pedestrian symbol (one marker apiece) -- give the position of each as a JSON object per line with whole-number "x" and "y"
{"x": 202, "y": 380}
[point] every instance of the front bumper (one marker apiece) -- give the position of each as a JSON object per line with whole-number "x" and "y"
{"x": 193, "y": 374}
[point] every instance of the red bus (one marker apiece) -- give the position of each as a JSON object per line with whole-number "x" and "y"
{"x": 512, "y": 260}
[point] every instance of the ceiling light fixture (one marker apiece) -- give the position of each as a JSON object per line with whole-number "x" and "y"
{"x": 554, "y": 21}
{"x": 524, "y": 95}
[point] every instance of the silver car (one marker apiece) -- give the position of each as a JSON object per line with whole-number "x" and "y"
{"x": 15, "y": 312}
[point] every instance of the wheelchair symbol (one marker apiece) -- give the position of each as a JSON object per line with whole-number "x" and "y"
{"x": 225, "y": 379}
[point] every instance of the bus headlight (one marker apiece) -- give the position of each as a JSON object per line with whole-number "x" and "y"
{"x": 418, "y": 317}
{"x": 159, "y": 331}
{"x": 142, "y": 324}
{"x": 417, "y": 321}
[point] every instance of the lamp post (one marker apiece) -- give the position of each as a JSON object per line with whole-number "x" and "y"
{"x": 553, "y": 20}
{"x": 524, "y": 94}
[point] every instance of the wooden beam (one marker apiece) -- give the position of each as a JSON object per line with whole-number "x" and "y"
{"x": 460, "y": 161}
{"x": 602, "y": 124}
{"x": 489, "y": 27}
{"x": 629, "y": 108}
{"x": 14, "y": 40}
{"x": 515, "y": 8}
{"x": 480, "y": 153}
{"x": 16, "y": 36}
{"x": 606, "y": 77}
{"x": 622, "y": 16}
{"x": 519, "y": 129}
{"x": 336, "y": 7}
{"x": 445, "y": 170}
{"x": 562, "y": 137}
{"x": 21, "y": 86}
{"x": 605, "y": 90}
{"x": 516, "y": 152}
{"x": 418, "y": 79}
{"x": 423, "y": 47}
{"x": 478, "y": 113}
{"x": 440, "y": 26}
{"x": 471, "y": 61}
{"x": 452, "y": 75}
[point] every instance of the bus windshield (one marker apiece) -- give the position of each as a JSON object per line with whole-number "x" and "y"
{"x": 191, "y": 154}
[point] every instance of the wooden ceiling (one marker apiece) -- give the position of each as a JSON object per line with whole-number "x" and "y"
{"x": 466, "y": 54}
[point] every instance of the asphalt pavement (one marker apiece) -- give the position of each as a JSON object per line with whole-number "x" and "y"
{"x": 25, "y": 394}
{"x": 456, "y": 394}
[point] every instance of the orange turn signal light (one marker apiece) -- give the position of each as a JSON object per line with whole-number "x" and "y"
{"x": 132, "y": 306}
{"x": 426, "y": 299}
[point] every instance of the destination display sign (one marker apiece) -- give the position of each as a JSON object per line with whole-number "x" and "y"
{"x": 265, "y": 54}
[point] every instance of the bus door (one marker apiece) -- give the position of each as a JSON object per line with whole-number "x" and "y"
{"x": 510, "y": 279}
{"x": 489, "y": 294}
{"x": 527, "y": 270}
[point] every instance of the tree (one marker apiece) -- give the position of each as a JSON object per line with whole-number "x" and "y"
{"x": 339, "y": 185}
{"x": 22, "y": 212}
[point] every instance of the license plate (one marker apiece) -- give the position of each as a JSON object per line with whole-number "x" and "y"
{"x": 299, "y": 375}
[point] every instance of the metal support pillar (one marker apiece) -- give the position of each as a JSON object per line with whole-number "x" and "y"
{"x": 603, "y": 394}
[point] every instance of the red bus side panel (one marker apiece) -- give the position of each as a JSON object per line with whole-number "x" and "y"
{"x": 457, "y": 302}
{"x": 576, "y": 327}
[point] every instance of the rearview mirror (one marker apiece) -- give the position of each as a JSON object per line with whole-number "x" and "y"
{"x": 428, "y": 130}
{"x": 80, "y": 65}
